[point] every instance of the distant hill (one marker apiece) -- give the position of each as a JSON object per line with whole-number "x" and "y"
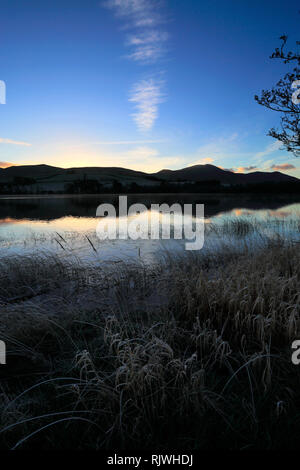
{"x": 29, "y": 171}
{"x": 47, "y": 171}
{"x": 210, "y": 172}
{"x": 51, "y": 178}
{"x": 55, "y": 179}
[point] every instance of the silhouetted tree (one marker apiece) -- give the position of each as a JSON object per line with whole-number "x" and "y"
{"x": 280, "y": 99}
{"x": 85, "y": 186}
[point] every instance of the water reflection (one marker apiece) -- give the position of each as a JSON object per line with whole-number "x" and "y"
{"x": 40, "y": 219}
{"x": 48, "y": 208}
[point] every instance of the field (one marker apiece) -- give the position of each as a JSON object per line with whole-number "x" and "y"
{"x": 191, "y": 353}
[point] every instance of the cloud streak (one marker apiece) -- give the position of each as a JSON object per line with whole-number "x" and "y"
{"x": 147, "y": 47}
{"x": 127, "y": 142}
{"x": 273, "y": 147}
{"x": 14, "y": 142}
{"x": 139, "y": 13}
{"x": 147, "y": 43}
{"x": 143, "y": 17}
{"x": 245, "y": 169}
{"x": 283, "y": 166}
{"x": 147, "y": 95}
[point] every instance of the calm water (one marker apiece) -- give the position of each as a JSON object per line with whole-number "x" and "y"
{"x": 61, "y": 223}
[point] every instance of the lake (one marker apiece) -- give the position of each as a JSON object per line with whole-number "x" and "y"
{"x": 67, "y": 224}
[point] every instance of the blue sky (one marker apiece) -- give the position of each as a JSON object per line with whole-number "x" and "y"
{"x": 142, "y": 84}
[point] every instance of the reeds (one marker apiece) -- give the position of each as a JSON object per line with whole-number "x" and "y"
{"x": 192, "y": 354}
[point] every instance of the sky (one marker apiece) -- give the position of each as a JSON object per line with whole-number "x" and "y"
{"x": 142, "y": 84}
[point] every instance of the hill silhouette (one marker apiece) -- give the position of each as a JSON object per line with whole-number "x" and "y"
{"x": 46, "y": 178}
{"x": 210, "y": 172}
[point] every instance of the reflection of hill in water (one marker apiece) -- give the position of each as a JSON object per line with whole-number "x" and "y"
{"x": 50, "y": 208}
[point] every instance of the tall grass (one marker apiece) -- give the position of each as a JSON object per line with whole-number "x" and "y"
{"x": 194, "y": 353}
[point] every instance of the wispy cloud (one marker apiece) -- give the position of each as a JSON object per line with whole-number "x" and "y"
{"x": 148, "y": 159}
{"x": 124, "y": 142}
{"x": 232, "y": 170}
{"x": 14, "y": 142}
{"x": 147, "y": 95}
{"x": 143, "y": 17}
{"x": 228, "y": 148}
{"x": 245, "y": 169}
{"x": 129, "y": 142}
{"x": 217, "y": 149}
{"x": 147, "y": 45}
{"x": 140, "y": 13}
{"x": 270, "y": 163}
{"x": 112, "y": 143}
{"x": 273, "y": 147}
{"x": 283, "y": 166}
{"x": 147, "y": 53}
{"x": 150, "y": 37}
{"x": 240, "y": 169}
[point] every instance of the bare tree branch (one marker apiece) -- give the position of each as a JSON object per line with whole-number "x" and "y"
{"x": 279, "y": 99}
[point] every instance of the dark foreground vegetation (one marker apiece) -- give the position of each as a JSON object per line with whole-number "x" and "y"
{"x": 192, "y": 354}
{"x": 27, "y": 186}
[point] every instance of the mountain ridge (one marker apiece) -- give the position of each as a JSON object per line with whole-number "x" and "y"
{"x": 211, "y": 172}
{"x": 43, "y": 174}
